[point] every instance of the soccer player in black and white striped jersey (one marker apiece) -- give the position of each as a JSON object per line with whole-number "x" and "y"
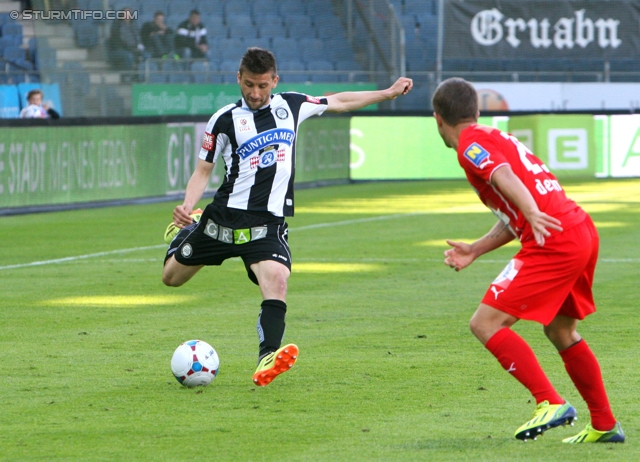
{"x": 255, "y": 138}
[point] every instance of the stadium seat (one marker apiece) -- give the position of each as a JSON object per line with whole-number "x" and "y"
{"x": 231, "y": 49}
{"x": 236, "y": 8}
{"x": 241, "y": 26}
{"x": 4, "y": 19}
{"x": 207, "y": 9}
{"x": 624, "y": 70}
{"x": 87, "y": 33}
{"x": 269, "y": 31}
{"x": 149, "y": 72}
{"x": 239, "y": 19}
{"x": 200, "y": 71}
{"x": 9, "y": 102}
{"x": 316, "y": 7}
{"x": 300, "y": 26}
{"x": 299, "y": 69}
{"x": 316, "y": 68}
{"x": 288, "y": 7}
{"x": 355, "y": 74}
{"x": 419, "y": 6}
{"x": 151, "y": 6}
{"x": 262, "y": 42}
{"x": 12, "y": 28}
{"x": 21, "y": 71}
{"x": 174, "y": 20}
{"x": 271, "y": 20}
{"x": 286, "y": 48}
{"x": 264, "y": 8}
{"x": 328, "y": 26}
{"x": 174, "y": 72}
{"x": 312, "y": 49}
{"x": 338, "y": 48}
{"x": 230, "y": 69}
{"x": 12, "y": 53}
{"x": 33, "y": 44}
{"x": 46, "y": 59}
{"x": 215, "y": 26}
{"x": 7, "y": 42}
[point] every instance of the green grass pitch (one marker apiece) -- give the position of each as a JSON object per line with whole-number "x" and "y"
{"x": 388, "y": 369}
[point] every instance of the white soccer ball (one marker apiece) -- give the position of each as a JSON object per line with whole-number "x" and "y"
{"x": 195, "y": 363}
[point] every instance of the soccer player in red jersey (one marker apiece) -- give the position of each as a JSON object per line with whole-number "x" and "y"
{"x": 549, "y": 280}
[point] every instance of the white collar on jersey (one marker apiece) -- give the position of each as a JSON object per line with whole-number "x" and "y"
{"x": 246, "y": 107}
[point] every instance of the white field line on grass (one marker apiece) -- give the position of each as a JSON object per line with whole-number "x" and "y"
{"x": 301, "y": 228}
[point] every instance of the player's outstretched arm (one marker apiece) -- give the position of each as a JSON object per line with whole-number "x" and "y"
{"x": 195, "y": 189}
{"x": 353, "y": 100}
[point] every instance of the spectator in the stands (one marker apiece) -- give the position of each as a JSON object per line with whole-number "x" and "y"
{"x": 157, "y": 37}
{"x": 125, "y": 46}
{"x": 36, "y": 109}
{"x": 191, "y": 37}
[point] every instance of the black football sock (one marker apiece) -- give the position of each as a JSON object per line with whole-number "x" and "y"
{"x": 271, "y": 325}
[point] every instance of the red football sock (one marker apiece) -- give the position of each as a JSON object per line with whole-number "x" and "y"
{"x": 584, "y": 370}
{"x": 517, "y": 357}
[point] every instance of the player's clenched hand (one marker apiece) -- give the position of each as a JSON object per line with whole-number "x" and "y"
{"x": 402, "y": 86}
{"x": 181, "y": 216}
{"x": 541, "y": 223}
{"x": 459, "y": 256}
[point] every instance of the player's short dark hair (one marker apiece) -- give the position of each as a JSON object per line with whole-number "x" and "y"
{"x": 455, "y": 100}
{"x": 194, "y": 12}
{"x": 258, "y": 61}
{"x": 158, "y": 13}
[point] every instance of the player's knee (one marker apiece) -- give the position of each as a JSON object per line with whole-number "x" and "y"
{"x": 279, "y": 282}
{"x": 474, "y": 326}
{"x": 171, "y": 281}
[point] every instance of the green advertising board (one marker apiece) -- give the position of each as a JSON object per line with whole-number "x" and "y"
{"x": 205, "y": 99}
{"x": 404, "y": 148}
{"x": 565, "y": 143}
{"x": 42, "y": 166}
{"x": 322, "y": 150}
{"x": 57, "y": 165}
{"x": 623, "y": 145}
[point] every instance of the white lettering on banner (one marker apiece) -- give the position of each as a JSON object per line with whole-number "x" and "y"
{"x": 180, "y": 158}
{"x": 25, "y": 168}
{"x": 31, "y": 167}
{"x": 488, "y": 29}
{"x": 568, "y": 148}
{"x": 634, "y": 149}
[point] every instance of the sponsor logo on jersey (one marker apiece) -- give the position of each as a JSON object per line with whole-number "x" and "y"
{"x": 244, "y": 127}
{"x": 282, "y": 113}
{"x": 268, "y": 157}
{"x": 313, "y": 99}
{"x": 478, "y": 155}
{"x": 264, "y": 139}
{"x": 207, "y": 141}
